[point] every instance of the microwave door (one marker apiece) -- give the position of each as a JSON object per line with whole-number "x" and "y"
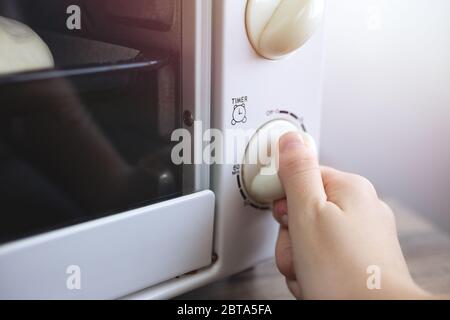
{"x": 86, "y": 137}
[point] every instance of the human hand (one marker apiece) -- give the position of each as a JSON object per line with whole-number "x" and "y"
{"x": 335, "y": 231}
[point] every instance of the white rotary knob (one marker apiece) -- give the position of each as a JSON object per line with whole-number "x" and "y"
{"x": 277, "y": 28}
{"x": 260, "y": 167}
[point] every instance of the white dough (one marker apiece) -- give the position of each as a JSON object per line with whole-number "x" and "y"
{"x": 21, "y": 49}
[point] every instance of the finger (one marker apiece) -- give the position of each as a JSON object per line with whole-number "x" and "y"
{"x": 300, "y": 174}
{"x": 280, "y": 212}
{"x": 347, "y": 191}
{"x": 295, "y": 289}
{"x": 283, "y": 254}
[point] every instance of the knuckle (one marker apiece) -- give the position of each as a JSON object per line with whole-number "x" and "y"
{"x": 316, "y": 207}
{"x": 385, "y": 206}
{"x": 363, "y": 184}
{"x": 387, "y": 211}
{"x": 323, "y": 211}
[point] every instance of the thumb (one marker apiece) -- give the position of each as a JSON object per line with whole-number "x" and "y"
{"x": 300, "y": 173}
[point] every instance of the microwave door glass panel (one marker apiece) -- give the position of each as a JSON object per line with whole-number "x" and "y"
{"x": 86, "y": 121}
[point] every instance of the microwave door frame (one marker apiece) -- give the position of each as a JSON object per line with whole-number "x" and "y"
{"x": 196, "y": 95}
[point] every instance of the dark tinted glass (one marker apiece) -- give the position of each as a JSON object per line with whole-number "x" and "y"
{"x": 90, "y": 136}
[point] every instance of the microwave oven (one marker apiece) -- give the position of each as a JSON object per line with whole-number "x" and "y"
{"x": 92, "y": 93}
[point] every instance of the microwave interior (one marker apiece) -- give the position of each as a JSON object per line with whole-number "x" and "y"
{"x": 90, "y": 136}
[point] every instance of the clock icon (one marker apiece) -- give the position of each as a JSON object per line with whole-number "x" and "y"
{"x": 239, "y": 114}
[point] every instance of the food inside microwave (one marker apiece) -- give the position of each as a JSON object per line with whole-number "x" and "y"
{"x": 35, "y": 35}
{"x": 21, "y": 49}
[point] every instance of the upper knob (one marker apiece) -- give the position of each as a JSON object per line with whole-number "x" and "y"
{"x": 277, "y": 28}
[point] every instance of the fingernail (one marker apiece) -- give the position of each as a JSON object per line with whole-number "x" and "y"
{"x": 291, "y": 141}
{"x": 285, "y": 220}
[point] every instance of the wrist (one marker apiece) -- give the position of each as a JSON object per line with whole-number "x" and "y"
{"x": 393, "y": 288}
{"x": 403, "y": 289}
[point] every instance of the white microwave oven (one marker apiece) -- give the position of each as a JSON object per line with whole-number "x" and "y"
{"x": 91, "y": 93}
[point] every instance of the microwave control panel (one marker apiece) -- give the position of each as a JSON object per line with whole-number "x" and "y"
{"x": 267, "y": 76}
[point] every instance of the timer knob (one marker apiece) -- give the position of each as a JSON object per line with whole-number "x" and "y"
{"x": 277, "y": 28}
{"x": 260, "y": 167}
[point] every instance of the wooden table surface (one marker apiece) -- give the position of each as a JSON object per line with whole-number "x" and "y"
{"x": 426, "y": 248}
